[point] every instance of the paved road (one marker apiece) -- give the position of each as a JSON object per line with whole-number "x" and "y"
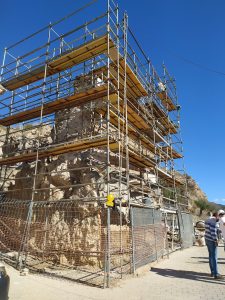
{"x": 185, "y": 275}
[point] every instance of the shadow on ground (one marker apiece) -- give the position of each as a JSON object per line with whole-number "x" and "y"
{"x": 190, "y": 275}
{"x": 206, "y": 260}
{"x": 203, "y": 257}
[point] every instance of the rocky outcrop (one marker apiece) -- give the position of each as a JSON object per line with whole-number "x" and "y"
{"x": 194, "y": 191}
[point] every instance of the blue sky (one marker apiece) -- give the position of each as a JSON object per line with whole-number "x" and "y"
{"x": 178, "y": 33}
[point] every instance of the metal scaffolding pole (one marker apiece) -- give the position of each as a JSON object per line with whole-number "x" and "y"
{"x": 26, "y": 235}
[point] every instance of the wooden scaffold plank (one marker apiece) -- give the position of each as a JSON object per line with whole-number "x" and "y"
{"x": 66, "y": 60}
{"x": 97, "y": 92}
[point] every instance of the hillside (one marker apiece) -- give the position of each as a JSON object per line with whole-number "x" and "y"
{"x": 196, "y": 193}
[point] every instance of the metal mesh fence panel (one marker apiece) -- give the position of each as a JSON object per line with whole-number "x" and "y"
{"x": 66, "y": 239}
{"x": 12, "y": 226}
{"x": 120, "y": 245}
{"x": 149, "y": 236}
{"x": 186, "y": 229}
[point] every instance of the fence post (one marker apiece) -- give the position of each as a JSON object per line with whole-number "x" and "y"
{"x": 155, "y": 238}
{"x": 133, "y": 269}
{"x": 181, "y": 227}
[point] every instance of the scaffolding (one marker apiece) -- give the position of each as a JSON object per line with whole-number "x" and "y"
{"x": 85, "y": 116}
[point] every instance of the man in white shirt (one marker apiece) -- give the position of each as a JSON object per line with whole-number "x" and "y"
{"x": 221, "y": 214}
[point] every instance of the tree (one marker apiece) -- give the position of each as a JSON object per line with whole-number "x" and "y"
{"x": 202, "y": 205}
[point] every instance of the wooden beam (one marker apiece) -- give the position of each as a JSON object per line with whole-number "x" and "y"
{"x": 167, "y": 101}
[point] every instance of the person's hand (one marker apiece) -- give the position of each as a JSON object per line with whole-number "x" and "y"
{"x": 216, "y": 243}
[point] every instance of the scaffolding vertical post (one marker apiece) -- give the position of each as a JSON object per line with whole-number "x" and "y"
{"x": 120, "y": 159}
{"x": 182, "y": 150}
{"x": 3, "y": 63}
{"x": 127, "y": 161}
{"x": 13, "y": 93}
{"x": 156, "y": 152}
{"x": 85, "y": 41}
{"x": 125, "y": 28}
{"x": 108, "y": 247}
{"x": 26, "y": 234}
{"x": 7, "y": 130}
